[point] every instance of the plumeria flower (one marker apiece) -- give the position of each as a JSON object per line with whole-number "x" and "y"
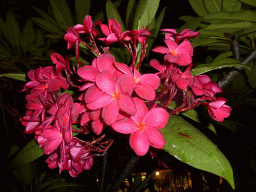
{"x": 115, "y": 96}
{"x": 218, "y": 110}
{"x": 143, "y": 127}
{"x": 202, "y": 85}
{"x": 163, "y": 69}
{"x": 184, "y": 34}
{"x": 113, "y": 31}
{"x": 146, "y": 85}
{"x": 174, "y": 53}
{"x": 181, "y": 79}
{"x": 87, "y": 26}
{"x": 139, "y": 35}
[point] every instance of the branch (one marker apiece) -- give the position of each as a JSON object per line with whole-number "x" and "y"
{"x": 125, "y": 173}
{"x": 224, "y": 81}
{"x": 103, "y": 171}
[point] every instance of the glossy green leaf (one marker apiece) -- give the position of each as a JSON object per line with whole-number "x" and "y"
{"x": 249, "y": 2}
{"x": 199, "y": 7}
{"x": 45, "y": 15}
{"x": 4, "y": 52}
{"x": 216, "y": 64}
{"x": 196, "y": 150}
{"x": 231, "y": 5}
{"x": 82, "y": 8}
{"x": 131, "y": 7}
{"x": 224, "y": 55}
{"x": 241, "y": 16}
{"x": 204, "y": 42}
{"x": 112, "y": 13}
{"x": 17, "y": 76}
{"x": 27, "y": 35}
{"x": 48, "y": 26}
{"x": 192, "y": 24}
{"x": 213, "y": 5}
{"x": 251, "y": 29}
{"x": 13, "y": 30}
{"x": 62, "y": 14}
{"x": 230, "y": 28}
{"x": 145, "y": 12}
{"x": 28, "y": 154}
{"x": 3, "y": 29}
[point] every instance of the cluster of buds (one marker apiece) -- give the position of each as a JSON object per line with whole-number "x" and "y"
{"x": 112, "y": 95}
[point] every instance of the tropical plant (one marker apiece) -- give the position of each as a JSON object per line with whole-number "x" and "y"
{"x": 78, "y": 111}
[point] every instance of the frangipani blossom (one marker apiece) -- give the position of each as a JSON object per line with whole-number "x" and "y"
{"x": 174, "y": 53}
{"x": 115, "y": 96}
{"x": 218, "y": 110}
{"x": 181, "y": 79}
{"x": 143, "y": 127}
{"x": 146, "y": 85}
{"x": 87, "y": 26}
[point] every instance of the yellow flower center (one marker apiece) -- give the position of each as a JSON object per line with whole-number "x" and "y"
{"x": 141, "y": 126}
{"x": 174, "y": 52}
{"x": 116, "y": 96}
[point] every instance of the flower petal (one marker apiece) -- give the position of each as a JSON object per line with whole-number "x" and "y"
{"x": 142, "y": 110}
{"x": 100, "y": 102}
{"x": 145, "y": 91}
{"x": 106, "y": 82}
{"x": 155, "y": 137}
{"x": 161, "y": 49}
{"x": 125, "y": 126}
{"x": 105, "y": 62}
{"x": 152, "y": 79}
{"x": 156, "y": 118}
{"x": 92, "y": 94}
{"x": 88, "y": 72}
{"x": 97, "y": 126}
{"x": 139, "y": 142}
{"x": 109, "y": 112}
{"x": 127, "y": 105}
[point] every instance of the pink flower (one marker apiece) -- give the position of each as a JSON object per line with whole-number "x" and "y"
{"x": 174, "y": 53}
{"x": 140, "y": 35}
{"x": 49, "y": 139}
{"x": 146, "y": 85}
{"x": 143, "y": 127}
{"x": 218, "y": 110}
{"x": 181, "y": 79}
{"x": 163, "y": 69}
{"x": 202, "y": 85}
{"x": 115, "y": 96}
{"x": 113, "y": 31}
{"x": 87, "y": 26}
{"x": 184, "y": 34}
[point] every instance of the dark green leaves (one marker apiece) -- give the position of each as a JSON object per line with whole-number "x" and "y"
{"x": 82, "y": 8}
{"x": 112, "y": 13}
{"x": 17, "y": 76}
{"x": 145, "y": 12}
{"x": 216, "y": 64}
{"x": 29, "y": 153}
{"x": 196, "y": 150}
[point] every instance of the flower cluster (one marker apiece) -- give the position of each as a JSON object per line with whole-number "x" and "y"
{"x": 112, "y": 95}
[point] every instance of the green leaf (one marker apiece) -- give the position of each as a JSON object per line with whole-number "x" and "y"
{"x": 204, "y": 42}
{"x": 216, "y": 64}
{"x": 82, "y": 8}
{"x": 230, "y": 28}
{"x": 231, "y": 5}
{"x": 251, "y": 29}
{"x": 45, "y": 15}
{"x": 112, "y": 13}
{"x": 13, "y": 30}
{"x": 199, "y": 7}
{"x": 130, "y": 13}
{"x": 29, "y": 153}
{"x": 3, "y": 29}
{"x": 224, "y": 55}
{"x": 62, "y": 14}
{"x": 27, "y": 35}
{"x": 241, "y": 16}
{"x": 213, "y": 5}
{"x": 192, "y": 24}
{"x": 249, "y": 2}
{"x": 17, "y": 76}
{"x": 145, "y": 12}
{"x": 197, "y": 150}
{"x": 48, "y": 26}
{"x": 4, "y": 52}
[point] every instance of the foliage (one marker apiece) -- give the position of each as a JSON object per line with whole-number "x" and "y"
{"x": 222, "y": 25}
